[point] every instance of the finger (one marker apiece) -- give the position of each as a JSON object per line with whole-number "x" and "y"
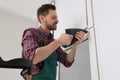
{"x": 80, "y": 33}
{"x": 79, "y": 39}
{"x": 70, "y": 37}
{"x": 80, "y": 36}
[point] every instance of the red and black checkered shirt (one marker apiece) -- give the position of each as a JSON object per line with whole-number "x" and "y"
{"x": 30, "y": 43}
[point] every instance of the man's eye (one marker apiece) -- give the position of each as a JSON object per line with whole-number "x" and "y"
{"x": 53, "y": 18}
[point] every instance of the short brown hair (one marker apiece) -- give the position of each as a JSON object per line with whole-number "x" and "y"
{"x": 44, "y": 10}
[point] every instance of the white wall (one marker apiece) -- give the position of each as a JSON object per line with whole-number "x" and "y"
{"x": 11, "y": 30}
{"x": 107, "y": 26}
{"x": 72, "y": 14}
{"x": 24, "y": 8}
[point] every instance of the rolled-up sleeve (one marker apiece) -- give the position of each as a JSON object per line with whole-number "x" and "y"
{"x": 29, "y": 45}
{"x": 62, "y": 58}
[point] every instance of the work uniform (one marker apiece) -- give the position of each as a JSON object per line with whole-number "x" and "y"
{"x": 45, "y": 70}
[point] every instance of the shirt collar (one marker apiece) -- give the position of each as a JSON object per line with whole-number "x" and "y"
{"x": 45, "y": 34}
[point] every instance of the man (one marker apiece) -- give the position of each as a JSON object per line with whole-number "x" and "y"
{"x": 44, "y": 51}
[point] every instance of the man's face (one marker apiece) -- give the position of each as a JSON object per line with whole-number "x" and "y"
{"x": 51, "y": 20}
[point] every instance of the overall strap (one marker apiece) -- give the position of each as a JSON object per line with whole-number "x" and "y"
{"x": 50, "y": 63}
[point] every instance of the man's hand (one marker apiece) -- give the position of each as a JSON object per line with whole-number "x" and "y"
{"x": 65, "y": 39}
{"x": 80, "y": 37}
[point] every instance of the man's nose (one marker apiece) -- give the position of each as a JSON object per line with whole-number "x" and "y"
{"x": 57, "y": 21}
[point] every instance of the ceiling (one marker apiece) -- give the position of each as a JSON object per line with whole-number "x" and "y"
{"x": 24, "y": 8}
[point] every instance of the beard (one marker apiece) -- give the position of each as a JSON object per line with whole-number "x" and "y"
{"x": 51, "y": 27}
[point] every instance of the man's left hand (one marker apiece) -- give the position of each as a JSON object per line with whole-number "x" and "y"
{"x": 80, "y": 37}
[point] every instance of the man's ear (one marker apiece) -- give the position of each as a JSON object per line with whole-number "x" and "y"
{"x": 41, "y": 17}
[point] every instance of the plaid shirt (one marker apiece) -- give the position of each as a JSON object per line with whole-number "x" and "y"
{"x": 30, "y": 43}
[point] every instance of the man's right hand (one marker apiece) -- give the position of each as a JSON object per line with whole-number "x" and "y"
{"x": 65, "y": 39}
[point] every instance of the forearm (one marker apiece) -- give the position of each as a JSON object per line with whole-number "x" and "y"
{"x": 80, "y": 37}
{"x": 42, "y": 53}
{"x": 72, "y": 53}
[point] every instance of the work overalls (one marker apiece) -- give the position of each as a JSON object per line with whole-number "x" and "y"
{"x": 49, "y": 69}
